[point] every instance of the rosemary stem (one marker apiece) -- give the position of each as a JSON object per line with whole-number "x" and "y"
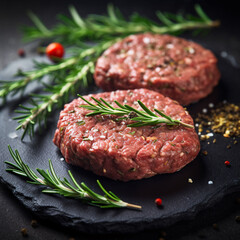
{"x": 15, "y": 85}
{"x": 134, "y": 206}
{"x": 130, "y": 28}
{"x": 40, "y": 181}
{"x": 185, "y": 124}
{"x": 184, "y": 26}
{"x": 52, "y": 68}
{"x": 33, "y": 75}
{"x": 54, "y": 98}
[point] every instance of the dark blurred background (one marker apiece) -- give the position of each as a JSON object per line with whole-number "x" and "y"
{"x": 13, "y": 14}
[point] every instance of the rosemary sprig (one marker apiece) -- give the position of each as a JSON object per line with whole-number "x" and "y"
{"x": 44, "y": 104}
{"x": 93, "y": 27}
{"x": 67, "y": 75}
{"x": 55, "y": 185}
{"x": 143, "y": 117}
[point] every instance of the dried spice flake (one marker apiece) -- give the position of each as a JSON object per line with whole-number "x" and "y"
{"x": 205, "y": 152}
{"x": 223, "y": 119}
{"x": 24, "y": 232}
{"x": 34, "y": 223}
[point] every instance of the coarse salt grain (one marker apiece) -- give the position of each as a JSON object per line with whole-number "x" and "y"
{"x": 210, "y": 182}
{"x": 191, "y": 50}
{"x": 224, "y": 54}
{"x": 204, "y": 110}
{"x": 211, "y": 105}
{"x": 13, "y": 135}
{"x": 210, "y": 134}
{"x": 61, "y": 159}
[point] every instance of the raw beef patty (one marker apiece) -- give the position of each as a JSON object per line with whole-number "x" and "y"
{"x": 110, "y": 148}
{"x": 177, "y": 68}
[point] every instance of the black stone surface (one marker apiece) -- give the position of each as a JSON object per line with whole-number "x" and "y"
{"x": 182, "y": 202}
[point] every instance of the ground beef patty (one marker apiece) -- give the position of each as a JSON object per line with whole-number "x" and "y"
{"x": 175, "y": 67}
{"x": 108, "y": 147}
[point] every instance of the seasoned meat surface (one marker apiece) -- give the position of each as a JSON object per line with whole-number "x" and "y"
{"x": 110, "y": 148}
{"x": 177, "y": 68}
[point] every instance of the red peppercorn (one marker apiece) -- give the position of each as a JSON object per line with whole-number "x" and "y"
{"x": 227, "y": 163}
{"x": 158, "y": 201}
{"x": 55, "y": 51}
{"x": 21, "y": 52}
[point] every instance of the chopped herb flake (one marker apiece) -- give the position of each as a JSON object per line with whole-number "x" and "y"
{"x": 79, "y": 123}
{"x": 132, "y": 133}
{"x": 90, "y": 138}
{"x": 71, "y": 111}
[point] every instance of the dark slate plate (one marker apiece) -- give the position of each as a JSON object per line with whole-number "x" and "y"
{"x": 181, "y": 200}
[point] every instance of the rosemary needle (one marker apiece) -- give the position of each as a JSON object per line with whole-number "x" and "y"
{"x": 54, "y": 185}
{"x": 140, "y": 117}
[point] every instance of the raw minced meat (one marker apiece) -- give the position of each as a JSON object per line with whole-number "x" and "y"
{"x": 110, "y": 148}
{"x": 177, "y": 68}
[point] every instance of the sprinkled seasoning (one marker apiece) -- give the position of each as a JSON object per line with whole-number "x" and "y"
{"x": 79, "y": 123}
{"x": 210, "y": 182}
{"x": 224, "y": 119}
{"x": 71, "y": 111}
{"x": 190, "y": 180}
{"x": 204, "y": 137}
{"x": 204, "y": 110}
{"x": 205, "y": 152}
{"x": 132, "y": 133}
{"x": 211, "y": 105}
{"x": 24, "y": 232}
{"x": 90, "y": 138}
{"x": 12, "y": 135}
